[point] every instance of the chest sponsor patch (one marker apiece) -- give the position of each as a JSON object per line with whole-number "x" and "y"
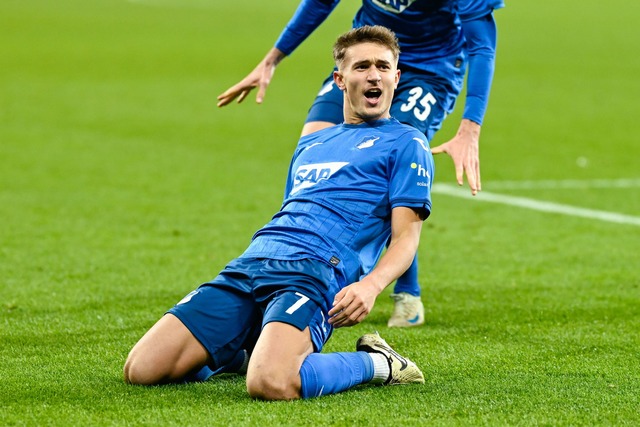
{"x": 307, "y": 176}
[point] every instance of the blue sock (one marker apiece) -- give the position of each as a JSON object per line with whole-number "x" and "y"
{"x": 328, "y": 373}
{"x": 237, "y": 365}
{"x": 408, "y": 282}
{"x": 199, "y": 376}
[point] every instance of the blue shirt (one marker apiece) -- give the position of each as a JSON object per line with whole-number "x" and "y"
{"x": 428, "y": 31}
{"x": 472, "y": 9}
{"x": 480, "y": 34}
{"x": 343, "y": 183}
{"x": 431, "y": 34}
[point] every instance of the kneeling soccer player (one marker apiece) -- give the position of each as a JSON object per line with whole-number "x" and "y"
{"x": 351, "y": 188}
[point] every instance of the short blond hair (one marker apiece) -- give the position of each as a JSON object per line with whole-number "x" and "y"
{"x": 367, "y": 34}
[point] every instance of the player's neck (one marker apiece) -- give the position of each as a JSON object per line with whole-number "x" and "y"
{"x": 357, "y": 120}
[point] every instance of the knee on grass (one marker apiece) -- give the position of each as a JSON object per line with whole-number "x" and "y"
{"x": 138, "y": 371}
{"x": 272, "y": 387}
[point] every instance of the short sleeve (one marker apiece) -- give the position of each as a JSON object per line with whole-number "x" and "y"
{"x": 411, "y": 171}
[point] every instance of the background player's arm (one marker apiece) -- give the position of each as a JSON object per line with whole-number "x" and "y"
{"x": 260, "y": 77}
{"x": 309, "y": 15}
{"x": 480, "y": 35}
{"x": 354, "y": 302}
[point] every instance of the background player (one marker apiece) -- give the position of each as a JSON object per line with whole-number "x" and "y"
{"x": 433, "y": 58}
{"x": 313, "y": 267}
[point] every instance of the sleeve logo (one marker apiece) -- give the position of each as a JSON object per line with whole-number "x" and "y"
{"x": 422, "y": 171}
{"x": 423, "y": 144}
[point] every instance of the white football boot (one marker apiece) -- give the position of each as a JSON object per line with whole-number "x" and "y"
{"x": 402, "y": 370}
{"x": 408, "y": 311}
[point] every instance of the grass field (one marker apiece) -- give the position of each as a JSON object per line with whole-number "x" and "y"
{"x": 122, "y": 187}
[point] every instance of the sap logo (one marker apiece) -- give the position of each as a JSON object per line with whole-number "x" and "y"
{"x": 395, "y": 6}
{"x": 368, "y": 143}
{"x": 421, "y": 170}
{"x": 309, "y": 175}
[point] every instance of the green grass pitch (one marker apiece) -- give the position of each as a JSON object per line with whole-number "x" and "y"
{"x": 122, "y": 187}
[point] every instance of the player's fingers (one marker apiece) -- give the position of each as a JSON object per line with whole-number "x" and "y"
{"x": 335, "y": 310}
{"x": 231, "y": 92}
{"x": 459, "y": 174}
{"x": 437, "y": 150}
{"x": 475, "y": 173}
{"x": 357, "y": 316}
{"x": 339, "y": 303}
{"x": 472, "y": 185}
{"x": 347, "y": 316}
{"x": 471, "y": 178}
{"x": 339, "y": 320}
{"x": 224, "y": 99}
{"x": 223, "y": 95}
{"x": 348, "y": 320}
{"x": 243, "y": 95}
{"x": 261, "y": 92}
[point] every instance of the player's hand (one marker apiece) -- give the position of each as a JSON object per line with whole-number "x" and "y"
{"x": 464, "y": 149}
{"x": 259, "y": 78}
{"x": 352, "y": 304}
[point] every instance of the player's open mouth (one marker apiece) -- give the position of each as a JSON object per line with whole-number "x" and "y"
{"x": 373, "y": 95}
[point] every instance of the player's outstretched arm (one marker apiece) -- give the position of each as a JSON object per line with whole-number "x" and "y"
{"x": 307, "y": 17}
{"x": 464, "y": 149}
{"x": 259, "y": 78}
{"x": 354, "y": 302}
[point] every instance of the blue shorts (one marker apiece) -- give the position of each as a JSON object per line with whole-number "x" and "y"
{"x": 228, "y": 313}
{"x": 421, "y": 100}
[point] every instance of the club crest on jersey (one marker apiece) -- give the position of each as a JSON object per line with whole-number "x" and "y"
{"x": 368, "y": 143}
{"x": 395, "y": 6}
{"x": 307, "y": 176}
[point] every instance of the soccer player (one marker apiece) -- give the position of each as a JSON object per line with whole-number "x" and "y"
{"x": 351, "y": 188}
{"x": 433, "y": 58}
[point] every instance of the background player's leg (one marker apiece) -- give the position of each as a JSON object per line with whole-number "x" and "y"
{"x": 423, "y": 103}
{"x": 408, "y": 309}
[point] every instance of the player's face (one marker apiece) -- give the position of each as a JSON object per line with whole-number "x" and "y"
{"x": 368, "y": 76}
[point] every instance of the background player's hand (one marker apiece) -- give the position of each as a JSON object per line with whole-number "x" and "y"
{"x": 352, "y": 304}
{"x": 464, "y": 149}
{"x": 260, "y": 77}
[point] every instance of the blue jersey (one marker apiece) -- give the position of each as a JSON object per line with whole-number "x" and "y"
{"x": 343, "y": 182}
{"x": 431, "y": 34}
{"x": 472, "y": 9}
{"x": 479, "y": 30}
{"x": 428, "y": 31}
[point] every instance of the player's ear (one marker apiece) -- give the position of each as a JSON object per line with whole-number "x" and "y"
{"x": 397, "y": 79}
{"x": 337, "y": 78}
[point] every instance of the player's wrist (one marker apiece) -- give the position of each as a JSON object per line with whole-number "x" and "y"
{"x": 274, "y": 56}
{"x": 468, "y": 126}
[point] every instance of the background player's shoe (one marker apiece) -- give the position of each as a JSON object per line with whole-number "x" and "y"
{"x": 402, "y": 370}
{"x": 408, "y": 311}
